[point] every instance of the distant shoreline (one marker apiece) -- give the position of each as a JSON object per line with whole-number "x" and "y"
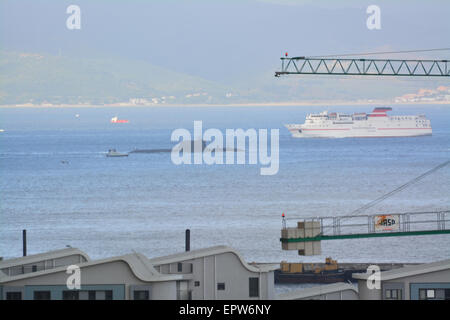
{"x": 267, "y": 104}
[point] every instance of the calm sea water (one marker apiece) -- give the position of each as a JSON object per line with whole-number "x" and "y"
{"x": 56, "y": 182}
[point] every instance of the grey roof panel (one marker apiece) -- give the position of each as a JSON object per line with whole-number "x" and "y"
{"x": 139, "y": 265}
{"x": 408, "y": 271}
{"x": 317, "y": 291}
{"x": 55, "y": 254}
{"x": 200, "y": 253}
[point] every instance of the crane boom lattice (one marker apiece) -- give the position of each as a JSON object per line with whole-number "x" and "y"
{"x": 364, "y": 67}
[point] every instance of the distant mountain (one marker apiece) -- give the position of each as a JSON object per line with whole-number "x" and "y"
{"x": 29, "y": 77}
{"x": 42, "y": 78}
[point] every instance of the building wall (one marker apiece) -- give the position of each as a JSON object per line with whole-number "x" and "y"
{"x": 102, "y": 276}
{"x": 198, "y": 272}
{"x": 439, "y": 294}
{"x": 44, "y": 264}
{"x": 57, "y": 290}
{"x": 164, "y": 290}
{"x": 339, "y": 295}
{"x": 208, "y": 279}
{"x": 439, "y": 279}
{"x": 227, "y": 268}
{"x": 409, "y": 285}
{"x": 366, "y": 293}
{"x": 350, "y": 295}
{"x": 268, "y": 285}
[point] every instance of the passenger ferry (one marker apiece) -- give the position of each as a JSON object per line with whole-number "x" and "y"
{"x": 361, "y": 125}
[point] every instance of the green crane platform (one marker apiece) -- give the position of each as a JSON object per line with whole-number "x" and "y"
{"x": 366, "y": 226}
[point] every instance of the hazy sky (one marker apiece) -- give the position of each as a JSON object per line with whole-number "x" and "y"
{"x": 221, "y": 40}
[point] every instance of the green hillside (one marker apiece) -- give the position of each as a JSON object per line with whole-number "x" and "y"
{"x": 36, "y": 78}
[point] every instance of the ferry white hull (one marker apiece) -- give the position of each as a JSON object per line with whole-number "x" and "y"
{"x": 374, "y": 125}
{"x": 357, "y": 133}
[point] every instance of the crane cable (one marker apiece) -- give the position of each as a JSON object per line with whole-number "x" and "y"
{"x": 403, "y": 186}
{"x": 375, "y": 53}
{"x": 391, "y": 193}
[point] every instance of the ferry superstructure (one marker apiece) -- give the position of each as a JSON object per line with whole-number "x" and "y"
{"x": 362, "y": 125}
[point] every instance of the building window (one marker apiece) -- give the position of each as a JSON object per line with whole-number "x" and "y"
{"x": 108, "y": 295}
{"x": 197, "y": 284}
{"x": 393, "y": 294}
{"x": 41, "y": 295}
{"x": 221, "y": 286}
{"x": 141, "y": 295}
{"x": 422, "y": 294}
{"x": 71, "y": 295}
{"x": 434, "y": 294}
{"x": 427, "y": 294}
{"x": 91, "y": 295}
{"x": 447, "y": 294}
{"x": 180, "y": 267}
{"x": 253, "y": 287}
{"x": 14, "y": 296}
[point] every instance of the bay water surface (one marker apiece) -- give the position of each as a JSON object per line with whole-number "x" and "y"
{"x": 56, "y": 182}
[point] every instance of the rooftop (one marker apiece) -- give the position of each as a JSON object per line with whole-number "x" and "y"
{"x": 316, "y": 291}
{"x": 200, "y": 253}
{"x": 408, "y": 271}
{"x": 139, "y": 265}
{"x": 42, "y": 256}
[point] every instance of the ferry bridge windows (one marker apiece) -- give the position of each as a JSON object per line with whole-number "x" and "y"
{"x": 221, "y": 286}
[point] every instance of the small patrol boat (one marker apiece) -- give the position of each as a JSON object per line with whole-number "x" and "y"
{"x": 114, "y": 153}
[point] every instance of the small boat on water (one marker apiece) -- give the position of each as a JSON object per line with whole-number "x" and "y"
{"x": 114, "y": 153}
{"x": 117, "y": 120}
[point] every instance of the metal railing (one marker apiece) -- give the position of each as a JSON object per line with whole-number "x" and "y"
{"x": 364, "y": 67}
{"x": 394, "y": 224}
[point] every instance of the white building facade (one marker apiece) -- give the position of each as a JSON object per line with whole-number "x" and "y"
{"x": 211, "y": 273}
